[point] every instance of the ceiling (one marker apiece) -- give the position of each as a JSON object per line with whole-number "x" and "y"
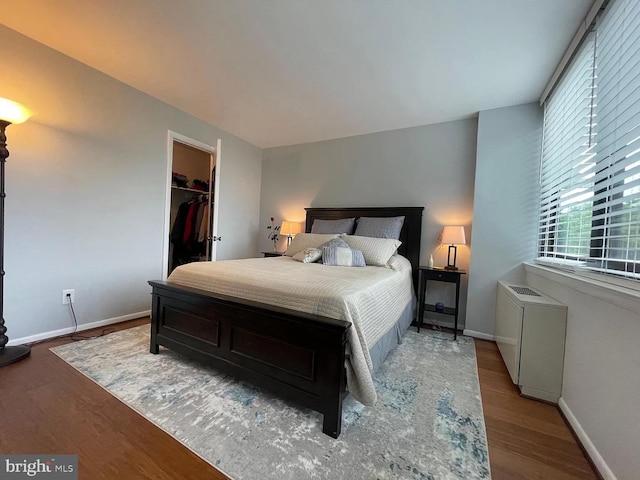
{"x": 281, "y": 72}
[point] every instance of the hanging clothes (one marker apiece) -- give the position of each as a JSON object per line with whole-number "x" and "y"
{"x": 199, "y": 216}
{"x": 187, "y": 229}
{"x": 202, "y": 235}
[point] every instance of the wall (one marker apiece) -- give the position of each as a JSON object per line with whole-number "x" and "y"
{"x": 86, "y": 186}
{"x": 601, "y": 381}
{"x": 504, "y": 207}
{"x": 430, "y": 166}
{"x": 600, "y": 373}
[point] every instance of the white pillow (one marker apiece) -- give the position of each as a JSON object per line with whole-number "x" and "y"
{"x": 308, "y": 240}
{"x": 308, "y": 255}
{"x": 376, "y": 251}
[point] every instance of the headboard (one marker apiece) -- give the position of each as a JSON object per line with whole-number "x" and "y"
{"x": 409, "y": 236}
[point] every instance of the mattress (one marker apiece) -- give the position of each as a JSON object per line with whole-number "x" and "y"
{"x": 371, "y": 298}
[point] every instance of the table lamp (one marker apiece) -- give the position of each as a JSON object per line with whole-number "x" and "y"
{"x": 290, "y": 229}
{"x": 452, "y": 235}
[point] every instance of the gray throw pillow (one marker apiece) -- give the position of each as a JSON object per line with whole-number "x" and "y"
{"x": 343, "y": 225}
{"x": 342, "y": 257}
{"x": 335, "y": 242}
{"x": 380, "y": 227}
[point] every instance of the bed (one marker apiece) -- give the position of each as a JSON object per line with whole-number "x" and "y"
{"x": 305, "y": 357}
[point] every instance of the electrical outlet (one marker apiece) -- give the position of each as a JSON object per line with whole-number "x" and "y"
{"x": 68, "y": 296}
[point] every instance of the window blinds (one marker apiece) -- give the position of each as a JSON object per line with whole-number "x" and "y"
{"x": 567, "y": 156}
{"x": 616, "y": 216}
{"x": 590, "y": 172}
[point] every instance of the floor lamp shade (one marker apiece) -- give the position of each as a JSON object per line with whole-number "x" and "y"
{"x": 290, "y": 229}
{"x": 10, "y": 112}
{"x": 453, "y": 235}
{"x": 13, "y": 112}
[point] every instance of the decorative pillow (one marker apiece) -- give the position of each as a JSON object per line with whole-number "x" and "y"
{"x": 336, "y": 242}
{"x": 307, "y": 240}
{"x": 376, "y": 251}
{"x": 344, "y": 225}
{"x": 379, "y": 227}
{"x": 342, "y": 257}
{"x": 308, "y": 255}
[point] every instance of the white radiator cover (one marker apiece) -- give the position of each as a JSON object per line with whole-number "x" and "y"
{"x": 530, "y": 333}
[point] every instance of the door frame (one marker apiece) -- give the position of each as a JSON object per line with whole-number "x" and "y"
{"x": 214, "y": 152}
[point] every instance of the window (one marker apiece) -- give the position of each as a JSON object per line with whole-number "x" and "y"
{"x": 590, "y": 171}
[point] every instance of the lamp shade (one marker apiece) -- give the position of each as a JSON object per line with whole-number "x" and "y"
{"x": 13, "y": 112}
{"x": 290, "y": 228}
{"x": 453, "y": 234}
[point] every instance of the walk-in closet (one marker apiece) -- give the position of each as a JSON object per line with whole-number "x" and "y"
{"x": 192, "y": 202}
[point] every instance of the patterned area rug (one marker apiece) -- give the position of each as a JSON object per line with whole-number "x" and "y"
{"x": 427, "y": 423}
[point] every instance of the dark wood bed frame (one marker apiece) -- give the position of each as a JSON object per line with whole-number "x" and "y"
{"x": 296, "y": 355}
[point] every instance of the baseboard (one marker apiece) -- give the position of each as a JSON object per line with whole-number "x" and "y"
{"x": 480, "y": 335}
{"x": 85, "y": 326}
{"x": 589, "y": 447}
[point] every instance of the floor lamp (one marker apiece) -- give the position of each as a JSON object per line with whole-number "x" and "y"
{"x": 10, "y": 112}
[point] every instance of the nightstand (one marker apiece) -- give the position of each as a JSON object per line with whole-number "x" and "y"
{"x": 441, "y": 275}
{"x": 272, "y": 254}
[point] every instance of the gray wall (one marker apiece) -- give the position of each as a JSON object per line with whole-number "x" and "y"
{"x": 430, "y": 166}
{"x": 601, "y": 379}
{"x": 504, "y": 206}
{"x": 86, "y": 190}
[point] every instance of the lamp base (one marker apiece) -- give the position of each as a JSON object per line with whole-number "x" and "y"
{"x": 9, "y": 355}
{"x": 451, "y": 265}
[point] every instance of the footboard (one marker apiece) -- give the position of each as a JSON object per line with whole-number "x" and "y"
{"x": 298, "y": 356}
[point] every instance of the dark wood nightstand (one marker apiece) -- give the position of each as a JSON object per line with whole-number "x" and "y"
{"x": 272, "y": 254}
{"x": 441, "y": 275}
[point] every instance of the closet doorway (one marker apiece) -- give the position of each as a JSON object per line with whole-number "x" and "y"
{"x": 191, "y": 207}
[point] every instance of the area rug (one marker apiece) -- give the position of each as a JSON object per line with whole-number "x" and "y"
{"x": 427, "y": 423}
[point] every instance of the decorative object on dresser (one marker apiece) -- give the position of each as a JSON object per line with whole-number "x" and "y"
{"x": 452, "y": 235}
{"x": 299, "y": 356}
{"x": 290, "y": 229}
{"x": 10, "y": 112}
{"x": 439, "y": 275}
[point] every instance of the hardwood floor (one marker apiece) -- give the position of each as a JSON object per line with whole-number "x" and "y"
{"x": 49, "y": 407}
{"x": 527, "y": 439}
{"x": 46, "y": 406}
